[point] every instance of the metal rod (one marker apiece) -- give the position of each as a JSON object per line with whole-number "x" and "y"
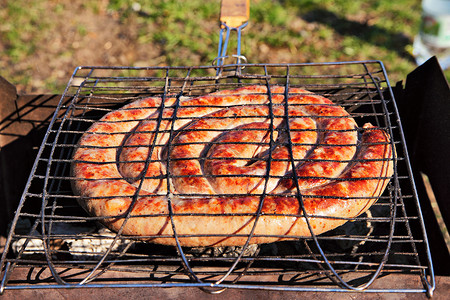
{"x": 97, "y": 95}
{"x": 224, "y": 39}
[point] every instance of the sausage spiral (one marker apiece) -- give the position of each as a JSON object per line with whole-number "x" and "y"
{"x": 211, "y": 160}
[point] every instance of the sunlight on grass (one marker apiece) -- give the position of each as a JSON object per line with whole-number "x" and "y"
{"x": 186, "y": 33}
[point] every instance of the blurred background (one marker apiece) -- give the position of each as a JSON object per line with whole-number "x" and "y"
{"x": 42, "y": 42}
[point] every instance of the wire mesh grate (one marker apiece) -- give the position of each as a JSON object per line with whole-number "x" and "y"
{"x": 59, "y": 245}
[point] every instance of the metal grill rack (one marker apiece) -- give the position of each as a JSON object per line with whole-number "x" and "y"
{"x": 55, "y": 243}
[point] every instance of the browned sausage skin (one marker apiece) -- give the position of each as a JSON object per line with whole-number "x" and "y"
{"x": 228, "y": 151}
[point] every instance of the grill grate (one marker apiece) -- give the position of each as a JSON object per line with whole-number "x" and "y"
{"x": 62, "y": 247}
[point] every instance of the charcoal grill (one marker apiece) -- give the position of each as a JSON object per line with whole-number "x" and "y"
{"x": 66, "y": 248}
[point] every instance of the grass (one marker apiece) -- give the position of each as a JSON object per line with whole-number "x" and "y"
{"x": 19, "y": 34}
{"x": 186, "y": 33}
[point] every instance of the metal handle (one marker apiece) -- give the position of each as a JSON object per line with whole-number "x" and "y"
{"x": 234, "y": 16}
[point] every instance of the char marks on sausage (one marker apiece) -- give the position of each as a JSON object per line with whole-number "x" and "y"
{"x": 214, "y": 158}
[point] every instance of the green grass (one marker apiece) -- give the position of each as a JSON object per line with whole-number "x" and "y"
{"x": 187, "y": 33}
{"x": 19, "y": 35}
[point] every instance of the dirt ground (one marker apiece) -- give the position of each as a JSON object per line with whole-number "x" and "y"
{"x": 80, "y": 36}
{"x": 79, "y": 33}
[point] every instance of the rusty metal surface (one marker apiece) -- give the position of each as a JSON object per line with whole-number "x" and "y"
{"x": 23, "y": 122}
{"x": 400, "y": 281}
{"x": 8, "y": 92}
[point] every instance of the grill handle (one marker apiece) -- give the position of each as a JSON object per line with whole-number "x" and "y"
{"x": 234, "y": 16}
{"x": 234, "y": 13}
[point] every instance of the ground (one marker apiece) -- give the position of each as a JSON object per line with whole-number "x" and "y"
{"x": 42, "y": 42}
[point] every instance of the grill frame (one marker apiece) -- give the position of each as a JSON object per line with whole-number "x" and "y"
{"x": 84, "y": 81}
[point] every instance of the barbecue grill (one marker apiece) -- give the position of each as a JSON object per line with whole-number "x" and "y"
{"x": 63, "y": 247}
